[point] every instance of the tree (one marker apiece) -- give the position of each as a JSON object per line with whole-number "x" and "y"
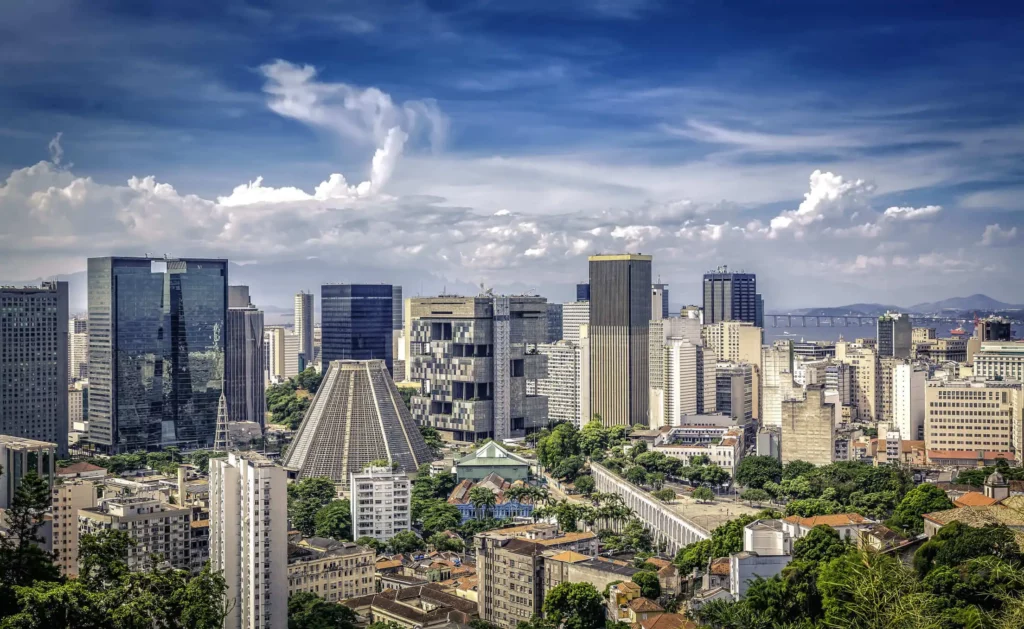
{"x": 918, "y": 501}
{"x": 562, "y": 442}
{"x": 586, "y": 485}
{"x": 755, "y": 495}
{"x": 335, "y": 520}
{"x": 103, "y": 557}
{"x": 665, "y": 495}
{"x": 974, "y": 478}
{"x": 442, "y": 542}
{"x": 568, "y": 468}
{"x": 308, "y": 611}
{"x": 796, "y": 469}
{"x": 649, "y": 585}
{"x": 713, "y": 475}
{"x": 703, "y": 494}
{"x": 22, "y": 558}
{"x": 309, "y": 380}
{"x": 483, "y": 499}
{"x": 405, "y": 542}
{"x": 636, "y": 475}
{"x": 811, "y": 507}
{"x": 440, "y": 516}
{"x": 380, "y": 624}
{"x": 593, "y": 438}
{"x": 754, "y": 471}
{"x": 957, "y": 543}
{"x": 432, "y": 438}
{"x": 574, "y": 606}
{"x": 821, "y": 544}
{"x": 305, "y": 499}
{"x": 867, "y": 590}
{"x": 373, "y": 543}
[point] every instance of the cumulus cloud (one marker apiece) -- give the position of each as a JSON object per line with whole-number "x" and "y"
{"x": 912, "y": 213}
{"x": 830, "y": 197}
{"x": 995, "y": 235}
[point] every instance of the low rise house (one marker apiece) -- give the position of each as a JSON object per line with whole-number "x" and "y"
{"x": 492, "y": 458}
{"x": 504, "y": 508}
{"x": 330, "y": 569}
{"x": 417, "y": 607}
{"x": 848, "y": 525}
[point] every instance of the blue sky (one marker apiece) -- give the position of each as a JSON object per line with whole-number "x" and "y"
{"x": 503, "y": 142}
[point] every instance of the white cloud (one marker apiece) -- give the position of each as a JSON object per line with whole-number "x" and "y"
{"x": 912, "y": 213}
{"x": 830, "y": 197}
{"x": 995, "y": 235}
{"x": 56, "y": 151}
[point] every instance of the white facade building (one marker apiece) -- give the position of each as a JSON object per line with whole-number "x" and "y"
{"x": 249, "y": 538}
{"x": 78, "y": 349}
{"x": 574, "y": 314}
{"x": 1003, "y": 359}
{"x": 681, "y": 379}
{"x": 563, "y": 385}
{"x": 381, "y": 501}
{"x": 777, "y": 381}
{"x": 158, "y": 529}
{"x": 908, "y": 386}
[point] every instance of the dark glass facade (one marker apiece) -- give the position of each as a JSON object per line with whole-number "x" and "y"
{"x": 156, "y": 351}
{"x": 583, "y": 292}
{"x": 731, "y": 297}
{"x": 356, "y": 322}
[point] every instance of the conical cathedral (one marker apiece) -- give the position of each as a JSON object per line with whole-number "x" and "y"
{"x": 356, "y": 417}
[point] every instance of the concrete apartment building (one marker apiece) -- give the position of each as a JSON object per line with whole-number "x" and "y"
{"x": 942, "y": 350}
{"x": 864, "y": 365}
{"x": 993, "y": 328}
{"x": 249, "y": 538}
{"x": 734, "y": 341}
{"x": 894, "y": 335}
{"x": 681, "y": 378}
{"x": 34, "y": 363}
{"x": 886, "y": 368}
{"x": 620, "y": 313}
{"x": 908, "y": 393}
{"x": 78, "y": 349}
{"x": 971, "y": 416}
{"x": 68, "y": 497}
{"x": 808, "y": 428}
{"x": 158, "y": 529}
{"x": 567, "y": 384}
{"x": 332, "y": 570}
{"x": 304, "y": 325}
{"x": 574, "y": 315}
{"x": 1000, "y": 359}
{"x": 476, "y": 360}
{"x": 380, "y": 499}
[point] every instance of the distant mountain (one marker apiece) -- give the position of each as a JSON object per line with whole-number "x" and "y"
{"x": 974, "y": 302}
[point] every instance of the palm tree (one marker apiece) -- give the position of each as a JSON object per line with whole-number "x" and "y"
{"x": 518, "y": 493}
{"x": 539, "y": 495}
{"x": 482, "y": 497}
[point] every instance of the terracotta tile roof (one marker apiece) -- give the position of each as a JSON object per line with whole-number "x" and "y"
{"x": 570, "y": 556}
{"x": 389, "y": 563}
{"x": 567, "y": 538}
{"x": 658, "y": 561}
{"x": 907, "y": 447}
{"x": 666, "y": 621}
{"x": 78, "y": 468}
{"x": 838, "y": 519}
{"x": 974, "y": 499}
{"x": 720, "y": 566}
{"x": 972, "y": 455}
{"x": 645, "y": 605}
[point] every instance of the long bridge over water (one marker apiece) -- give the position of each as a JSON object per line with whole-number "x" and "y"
{"x": 836, "y": 321}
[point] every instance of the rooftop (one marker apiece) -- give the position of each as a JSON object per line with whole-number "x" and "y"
{"x": 838, "y": 519}
{"x": 972, "y": 455}
{"x": 78, "y": 468}
{"x": 666, "y": 621}
{"x": 645, "y": 605}
{"x": 974, "y": 499}
{"x": 23, "y": 442}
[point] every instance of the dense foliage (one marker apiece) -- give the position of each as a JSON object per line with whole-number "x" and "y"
{"x": 307, "y": 498}
{"x": 725, "y": 540}
{"x": 308, "y": 611}
{"x": 287, "y": 402}
{"x": 574, "y": 606}
{"x": 563, "y": 449}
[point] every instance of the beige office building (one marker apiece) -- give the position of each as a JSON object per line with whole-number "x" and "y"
{"x": 620, "y": 312}
{"x": 332, "y": 570}
{"x": 1000, "y": 359}
{"x": 973, "y": 415}
{"x": 777, "y": 384}
{"x": 808, "y": 428}
{"x": 158, "y": 529}
{"x": 862, "y": 358}
{"x": 68, "y": 497}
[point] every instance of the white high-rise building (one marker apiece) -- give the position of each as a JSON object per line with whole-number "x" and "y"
{"x": 777, "y": 381}
{"x": 78, "y": 349}
{"x": 381, "y": 502}
{"x": 574, "y": 314}
{"x": 249, "y": 538}
{"x": 563, "y": 386}
{"x": 908, "y": 387}
{"x": 682, "y": 372}
{"x": 304, "y": 325}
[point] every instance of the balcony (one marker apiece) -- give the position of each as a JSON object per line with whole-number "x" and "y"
{"x": 473, "y": 369}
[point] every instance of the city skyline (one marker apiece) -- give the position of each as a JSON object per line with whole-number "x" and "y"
{"x": 802, "y": 163}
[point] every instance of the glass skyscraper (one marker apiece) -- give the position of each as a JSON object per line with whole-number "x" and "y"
{"x": 732, "y": 297}
{"x": 356, "y": 322}
{"x": 157, "y": 333}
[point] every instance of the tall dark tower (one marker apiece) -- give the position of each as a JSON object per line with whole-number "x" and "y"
{"x": 731, "y": 297}
{"x": 620, "y": 314}
{"x": 356, "y": 322}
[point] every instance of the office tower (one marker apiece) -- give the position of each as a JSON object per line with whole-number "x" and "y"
{"x": 574, "y": 314}
{"x": 777, "y": 381}
{"x": 381, "y": 503}
{"x": 620, "y": 312}
{"x": 734, "y": 341}
{"x": 863, "y": 363}
{"x": 477, "y": 362}
{"x": 734, "y": 391}
{"x": 759, "y": 310}
{"x": 244, "y": 382}
{"x": 908, "y": 389}
{"x": 249, "y": 538}
{"x": 562, "y": 386}
{"x": 974, "y": 418}
{"x": 304, "y": 325}
{"x": 397, "y": 310}
{"x": 692, "y": 312}
{"x": 238, "y": 296}
{"x": 730, "y": 296}
{"x": 78, "y": 349}
{"x": 1000, "y": 360}
{"x": 809, "y": 371}
{"x": 808, "y": 428}
{"x": 294, "y": 359}
{"x": 659, "y": 301}
{"x": 34, "y": 363}
{"x": 895, "y": 335}
{"x": 940, "y": 351}
{"x": 20, "y": 455}
{"x": 273, "y": 350}
{"x": 554, "y": 332}
{"x": 157, "y": 330}
{"x": 333, "y": 570}
{"x": 813, "y": 350}
{"x": 583, "y": 291}
{"x": 681, "y": 378}
{"x": 356, "y": 417}
{"x": 357, "y": 321}
{"x": 886, "y": 369}
{"x": 993, "y": 328}
{"x": 160, "y": 531}
{"x": 67, "y": 497}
